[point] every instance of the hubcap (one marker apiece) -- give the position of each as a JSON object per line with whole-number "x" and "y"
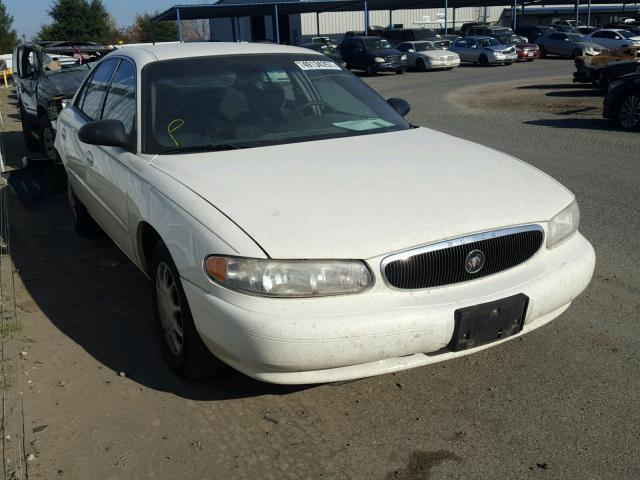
{"x": 169, "y": 308}
{"x": 48, "y": 142}
{"x": 630, "y": 112}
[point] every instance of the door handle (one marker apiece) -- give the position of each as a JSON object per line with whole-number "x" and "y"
{"x": 89, "y": 159}
{"x": 63, "y": 134}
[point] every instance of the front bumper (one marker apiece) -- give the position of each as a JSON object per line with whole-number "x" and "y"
{"x": 295, "y": 341}
{"x": 433, "y": 64}
{"x": 528, "y": 54}
{"x": 390, "y": 66}
{"x": 509, "y": 58}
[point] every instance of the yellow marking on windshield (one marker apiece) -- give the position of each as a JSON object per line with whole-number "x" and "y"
{"x": 173, "y": 126}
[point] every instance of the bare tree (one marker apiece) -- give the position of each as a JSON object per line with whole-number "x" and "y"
{"x": 196, "y": 30}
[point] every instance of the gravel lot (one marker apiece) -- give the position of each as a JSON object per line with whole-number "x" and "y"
{"x": 561, "y": 402}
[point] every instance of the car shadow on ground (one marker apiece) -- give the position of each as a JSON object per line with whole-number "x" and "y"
{"x": 94, "y": 295}
{"x": 581, "y": 123}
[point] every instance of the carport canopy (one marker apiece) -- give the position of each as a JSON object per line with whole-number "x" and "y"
{"x": 242, "y": 8}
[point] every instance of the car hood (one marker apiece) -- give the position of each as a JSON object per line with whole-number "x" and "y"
{"x": 364, "y": 196}
{"x": 62, "y": 84}
{"x": 383, "y": 52}
{"x": 499, "y": 48}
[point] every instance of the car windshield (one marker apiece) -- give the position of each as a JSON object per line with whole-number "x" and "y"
{"x": 424, "y": 46}
{"x": 69, "y": 61}
{"x": 487, "y": 42}
{"x": 627, "y": 34}
{"x": 243, "y": 101}
{"x": 574, "y": 37}
{"x": 374, "y": 43}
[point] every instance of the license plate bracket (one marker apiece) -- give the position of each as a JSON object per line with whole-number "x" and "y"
{"x": 488, "y": 322}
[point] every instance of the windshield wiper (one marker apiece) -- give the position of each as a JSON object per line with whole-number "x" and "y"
{"x": 204, "y": 148}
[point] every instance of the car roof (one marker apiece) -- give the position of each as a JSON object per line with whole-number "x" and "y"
{"x": 480, "y": 37}
{"x": 151, "y": 53}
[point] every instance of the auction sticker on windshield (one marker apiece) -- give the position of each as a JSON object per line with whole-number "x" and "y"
{"x": 316, "y": 65}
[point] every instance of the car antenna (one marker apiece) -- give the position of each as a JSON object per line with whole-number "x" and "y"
{"x": 153, "y": 38}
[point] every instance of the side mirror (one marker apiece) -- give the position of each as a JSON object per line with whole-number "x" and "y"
{"x": 108, "y": 133}
{"x": 399, "y": 105}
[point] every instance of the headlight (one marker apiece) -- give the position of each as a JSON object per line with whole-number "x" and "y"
{"x": 379, "y": 59}
{"x": 403, "y": 58}
{"x": 442, "y": 59}
{"x": 55, "y": 106}
{"x": 563, "y": 225}
{"x": 289, "y": 278}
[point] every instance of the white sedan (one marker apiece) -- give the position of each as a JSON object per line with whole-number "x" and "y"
{"x": 613, "y": 38}
{"x": 297, "y": 228}
{"x": 427, "y": 55}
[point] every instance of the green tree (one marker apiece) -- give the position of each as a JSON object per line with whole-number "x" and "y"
{"x": 162, "y": 31}
{"x": 78, "y": 21}
{"x": 8, "y": 37}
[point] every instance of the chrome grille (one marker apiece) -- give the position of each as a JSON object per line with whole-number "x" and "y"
{"x": 444, "y": 263}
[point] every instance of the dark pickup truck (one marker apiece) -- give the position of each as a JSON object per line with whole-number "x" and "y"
{"x": 46, "y": 76}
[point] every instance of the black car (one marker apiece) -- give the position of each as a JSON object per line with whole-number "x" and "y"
{"x": 532, "y": 32}
{"x": 373, "y": 55}
{"x": 46, "y": 75}
{"x": 327, "y": 49}
{"x": 622, "y": 102}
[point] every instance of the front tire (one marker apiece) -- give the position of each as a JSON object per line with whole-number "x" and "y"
{"x": 182, "y": 347}
{"x": 629, "y": 112}
{"x": 83, "y": 222}
{"x": 47, "y": 139}
{"x": 421, "y": 66}
{"x": 400, "y": 72}
{"x": 484, "y": 61}
{"x": 370, "y": 71}
{"x": 543, "y": 52}
{"x": 576, "y": 53}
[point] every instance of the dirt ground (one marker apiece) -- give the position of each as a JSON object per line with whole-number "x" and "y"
{"x": 550, "y": 95}
{"x": 99, "y": 402}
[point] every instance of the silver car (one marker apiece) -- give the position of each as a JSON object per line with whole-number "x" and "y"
{"x": 569, "y": 45}
{"x": 428, "y": 55}
{"x": 485, "y": 51}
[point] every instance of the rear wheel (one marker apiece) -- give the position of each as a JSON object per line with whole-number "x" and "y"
{"x": 29, "y": 140}
{"x": 182, "y": 347}
{"x": 629, "y": 112}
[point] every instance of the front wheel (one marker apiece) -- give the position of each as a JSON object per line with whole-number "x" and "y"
{"x": 543, "y": 52}
{"x": 576, "y": 53}
{"x": 400, "y": 72}
{"x": 370, "y": 71}
{"x": 182, "y": 347}
{"x": 421, "y": 66}
{"x": 83, "y": 222}
{"x": 484, "y": 61}
{"x": 629, "y": 113}
{"x": 47, "y": 139}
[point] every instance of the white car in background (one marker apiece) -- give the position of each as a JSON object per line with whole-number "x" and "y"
{"x": 614, "y": 38}
{"x": 296, "y": 227}
{"x": 427, "y": 55}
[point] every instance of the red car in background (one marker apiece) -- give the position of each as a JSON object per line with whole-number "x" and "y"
{"x": 527, "y": 52}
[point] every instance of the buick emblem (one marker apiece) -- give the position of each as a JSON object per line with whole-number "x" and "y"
{"x": 474, "y": 261}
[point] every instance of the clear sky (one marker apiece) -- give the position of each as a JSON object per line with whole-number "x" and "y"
{"x": 29, "y": 15}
